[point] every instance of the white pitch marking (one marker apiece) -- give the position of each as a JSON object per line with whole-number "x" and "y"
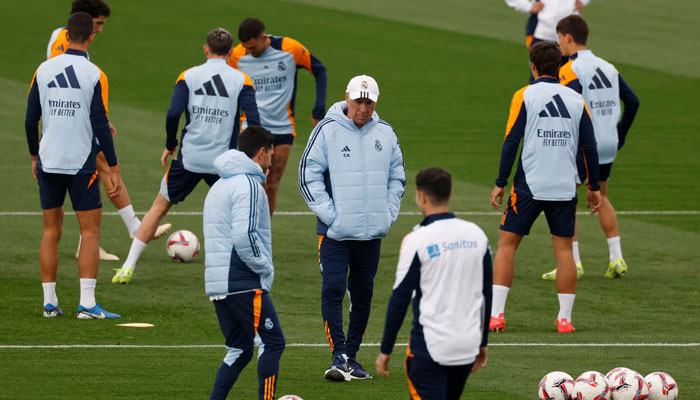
{"x": 207, "y": 346}
{"x": 297, "y": 213}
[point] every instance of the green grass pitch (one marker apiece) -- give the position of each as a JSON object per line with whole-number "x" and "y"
{"x": 446, "y": 75}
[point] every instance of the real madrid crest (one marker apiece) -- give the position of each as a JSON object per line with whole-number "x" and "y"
{"x": 377, "y": 145}
{"x": 268, "y": 323}
{"x": 363, "y": 85}
{"x": 281, "y": 66}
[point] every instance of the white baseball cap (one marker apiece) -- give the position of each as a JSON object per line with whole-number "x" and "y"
{"x": 363, "y": 87}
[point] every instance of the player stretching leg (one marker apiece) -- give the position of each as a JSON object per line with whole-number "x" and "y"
{"x": 552, "y": 121}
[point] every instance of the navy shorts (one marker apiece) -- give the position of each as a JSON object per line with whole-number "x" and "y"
{"x": 603, "y": 170}
{"x": 84, "y": 190}
{"x": 284, "y": 139}
{"x": 522, "y": 211}
{"x": 429, "y": 380}
{"x": 179, "y": 182}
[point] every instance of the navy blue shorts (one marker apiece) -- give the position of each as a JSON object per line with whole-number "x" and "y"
{"x": 84, "y": 190}
{"x": 522, "y": 211}
{"x": 283, "y": 139}
{"x": 603, "y": 170}
{"x": 429, "y": 380}
{"x": 179, "y": 182}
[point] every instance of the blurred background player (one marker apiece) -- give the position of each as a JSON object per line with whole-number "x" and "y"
{"x": 70, "y": 94}
{"x": 272, "y": 63}
{"x": 552, "y": 121}
{"x": 352, "y": 177}
{"x": 602, "y": 87}
{"x": 238, "y": 263}
{"x": 212, "y": 94}
{"x": 442, "y": 260}
{"x": 58, "y": 44}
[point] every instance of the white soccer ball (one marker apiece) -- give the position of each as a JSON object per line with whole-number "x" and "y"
{"x": 629, "y": 385}
{"x": 662, "y": 386}
{"x": 591, "y": 385}
{"x": 290, "y": 397}
{"x": 556, "y": 385}
{"x": 182, "y": 246}
{"x": 610, "y": 376}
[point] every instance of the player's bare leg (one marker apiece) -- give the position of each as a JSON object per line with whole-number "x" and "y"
{"x": 272, "y": 183}
{"x": 503, "y": 271}
{"x": 551, "y": 275}
{"x": 48, "y": 250}
{"x": 122, "y": 199}
{"x": 608, "y": 221}
{"x": 89, "y": 258}
{"x": 566, "y": 281}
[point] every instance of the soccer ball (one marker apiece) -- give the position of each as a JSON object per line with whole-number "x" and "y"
{"x": 290, "y": 397}
{"x": 182, "y": 246}
{"x": 610, "y": 376}
{"x": 629, "y": 385}
{"x": 662, "y": 386}
{"x": 556, "y": 385}
{"x": 591, "y": 385}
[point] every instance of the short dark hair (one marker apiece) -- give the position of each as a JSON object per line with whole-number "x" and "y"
{"x": 251, "y": 140}
{"x": 576, "y": 26}
{"x": 93, "y": 7}
{"x": 80, "y": 27}
{"x": 436, "y": 183}
{"x": 250, "y": 28}
{"x": 219, "y": 41}
{"x": 547, "y": 58}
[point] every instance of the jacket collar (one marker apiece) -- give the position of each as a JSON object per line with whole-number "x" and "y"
{"x": 76, "y": 52}
{"x": 436, "y": 217}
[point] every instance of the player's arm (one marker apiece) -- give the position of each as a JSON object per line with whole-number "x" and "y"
{"x": 407, "y": 281}
{"x": 397, "y": 181}
{"x": 178, "y": 103}
{"x": 247, "y": 205}
{"x": 589, "y": 147}
{"x": 31, "y": 123}
{"x": 312, "y": 169}
{"x": 631, "y": 102}
{"x": 304, "y": 59}
{"x": 568, "y": 77}
{"x": 101, "y": 130}
{"x": 487, "y": 292}
{"x": 246, "y": 100}
{"x": 515, "y": 130}
{"x": 523, "y": 6}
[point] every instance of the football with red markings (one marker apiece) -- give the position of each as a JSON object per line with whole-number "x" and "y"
{"x": 290, "y": 397}
{"x": 629, "y": 385}
{"x": 662, "y": 386}
{"x": 591, "y": 385}
{"x": 556, "y": 385}
{"x": 182, "y": 246}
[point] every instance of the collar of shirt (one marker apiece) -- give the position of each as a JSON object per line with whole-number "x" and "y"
{"x": 77, "y": 52}
{"x": 216, "y": 60}
{"x": 436, "y": 217}
{"x": 546, "y": 80}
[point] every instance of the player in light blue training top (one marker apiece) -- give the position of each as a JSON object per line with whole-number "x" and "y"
{"x": 210, "y": 95}
{"x": 272, "y": 63}
{"x": 70, "y": 94}
{"x": 553, "y": 122}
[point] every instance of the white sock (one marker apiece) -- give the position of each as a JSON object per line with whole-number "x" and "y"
{"x": 50, "y": 293}
{"x": 137, "y": 247}
{"x": 500, "y": 293}
{"x": 87, "y": 292}
{"x": 130, "y": 219}
{"x": 566, "y": 304}
{"x": 577, "y": 256}
{"x": 615, "y": 248}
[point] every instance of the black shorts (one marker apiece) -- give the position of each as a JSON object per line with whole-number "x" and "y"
{"x": 179, "y": 182}
{"x": 603, "y": 170}
{"x": 84, "y": 190}
{"x": 522, "y": 211}
{"x": 284, "y": 139}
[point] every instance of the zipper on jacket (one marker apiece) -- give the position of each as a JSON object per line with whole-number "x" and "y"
{"x": 366, "y": 193}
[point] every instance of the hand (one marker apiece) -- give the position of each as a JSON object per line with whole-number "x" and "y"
{"x": 538, "y": 6}
{"x": 164, "y": 157}
{"x": 497, "y": 197}
{"x": 314, "y": 121}
{"x": 116, "y": 180}
{"x": 593, "y": 198}
{"x": 382, "y": 364}
{"x": 480, "y": 359}
{"x": 578, "y": 7}
{"x": 112, "y": 130}
{"x": 34, "y": 158}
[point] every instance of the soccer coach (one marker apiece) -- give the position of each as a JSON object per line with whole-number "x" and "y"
{"x": 352, "y": 177}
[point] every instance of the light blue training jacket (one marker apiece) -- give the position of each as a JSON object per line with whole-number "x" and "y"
{"x": 237, "y": 237}
{"x": 352, "y": 179}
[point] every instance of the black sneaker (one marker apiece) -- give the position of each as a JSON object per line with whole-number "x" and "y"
{"x": 340, "y": 370}
{"x": 357, "y": 372}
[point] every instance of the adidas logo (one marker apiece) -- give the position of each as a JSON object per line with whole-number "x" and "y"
{"x": 345, "y": 151}
{"x": 61, "y": 81}
{"x": 558, "y": 110}
{"x": 599, "y": 81}
{"x": 208, "y": 88}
